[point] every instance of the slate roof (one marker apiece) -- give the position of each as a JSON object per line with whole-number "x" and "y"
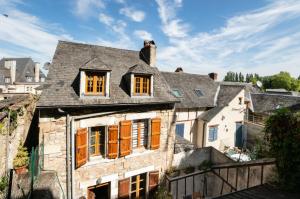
{"x": 24, "y": 67}
{"x": 265, "y": 191}
{"x": 186, "y": 83}
{"x": 265, "y": 103}
{"x": 210, "y": 114}
{"x": 63, "y": 77}
{"x": 182, "y": 145}
{"x": 227, "y": 93}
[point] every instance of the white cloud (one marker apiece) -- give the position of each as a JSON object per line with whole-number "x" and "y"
{"x": 26, "y": 35}
{"x": 172, "y": 26}
{"x": 85, "y": 8}
{"x": 106, "y": 19}
{"x": 142, "y": 34}
{"x": 256, "y": 41}
{"x": 133, "y": 14}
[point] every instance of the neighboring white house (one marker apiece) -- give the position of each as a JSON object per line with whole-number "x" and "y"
{"x": 20, "y": 75}
{"x": 210, "y": 113}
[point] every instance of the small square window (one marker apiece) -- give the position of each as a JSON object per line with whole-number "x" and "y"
{"x": 180, "y": 130}
{"x": 29, "y": 79}
{"x": 176, "y": 93}
{"x": 7, "y": 80}
{"x": 240, "y": 100}
{"x": 198, "y": 92}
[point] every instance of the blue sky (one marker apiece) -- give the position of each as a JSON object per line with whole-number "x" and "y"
{"x": 202, "y": 36}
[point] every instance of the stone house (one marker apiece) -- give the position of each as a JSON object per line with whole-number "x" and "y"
{"x": 106, "y": 120}
{"x": 20, "y": 75}
{"x": 210, "y": 113}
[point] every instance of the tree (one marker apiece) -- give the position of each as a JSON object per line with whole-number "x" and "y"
{"x": 241, "y": 77}
{"x": 236, "y": 79}
{"x": 299, "y": 77}
{"x": 247, "y": 78}
{"x": 282, "y": 131}
{"x": 281, "y": 80}
{"x": 229, "y": 77}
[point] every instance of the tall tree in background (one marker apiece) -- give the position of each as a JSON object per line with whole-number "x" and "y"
{"x": 299, "y": 77}
{"x": 236, "y": 79}
{"x": 241, "y": 77}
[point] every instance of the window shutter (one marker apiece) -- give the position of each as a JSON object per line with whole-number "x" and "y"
{"x": 124, "y": 186}
{"x": 112, "y": 141}
{"x": 81, "y": 147}
{"x": 153, "y": 180}
{"x": 155, "y": 133}
{"x": 125, "y": 138}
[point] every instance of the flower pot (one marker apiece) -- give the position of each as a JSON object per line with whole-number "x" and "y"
{"x": 21, "y": 170}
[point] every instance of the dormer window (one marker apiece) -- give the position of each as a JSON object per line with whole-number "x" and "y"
{"x": 142, "y": 85}
{"x": 95, "y": 83}
{"x": 7, "y": 80}
{"x": 28, "y": 78}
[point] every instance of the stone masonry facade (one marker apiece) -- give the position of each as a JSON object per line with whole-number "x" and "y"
{"x": 100, "y": 170}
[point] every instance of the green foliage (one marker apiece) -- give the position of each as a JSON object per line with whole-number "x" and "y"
{"x": 282, "y": 131}
{"x": 206, "y": 164}
{"x": 21, "y": 158}
{"x": 173, "y": 172}
{"x": 162, "y": 193}
{"x": 260, "y": 150}
{"x": 189, "y": 169}
{"x": 3, "y": 183}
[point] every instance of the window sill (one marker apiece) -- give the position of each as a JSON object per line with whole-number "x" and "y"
{"x": 139, "y": 152}
{"x": 97, "y": 160}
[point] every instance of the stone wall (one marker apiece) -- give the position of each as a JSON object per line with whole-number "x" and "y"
{"x": 99, "y": 170}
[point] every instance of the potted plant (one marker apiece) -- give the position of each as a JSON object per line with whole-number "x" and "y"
{"x": 21, "y": 160}
{"x": 173, "y": 172}
{"x": 205, "y": 165}
{"x": 189, "y": 169}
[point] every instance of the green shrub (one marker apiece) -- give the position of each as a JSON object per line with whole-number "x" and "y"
{"x": 21, "y": 158}
{"x": 173, "y": 172}
{"x": 3, "y": 183}
{"x": 189, "y": 169}
{"x": 162, "y": 193}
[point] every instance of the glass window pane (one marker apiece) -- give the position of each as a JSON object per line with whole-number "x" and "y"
{"x": 92, "y": 150}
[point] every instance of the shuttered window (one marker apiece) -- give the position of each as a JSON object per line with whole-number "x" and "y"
{"x": 97, "y": 141}
{"x": 139, "y": 133}
{"x": 124, "y": 188}
{"x": 112, "y": 141}
{"x": 138, "y": 186}
{"x": 125, "y": 138}
{"x": 81, "y": 147}
{"x": 155, "y": 133}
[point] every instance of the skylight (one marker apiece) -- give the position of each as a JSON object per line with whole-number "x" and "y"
{"x": 198, "y": 92}
{"x": 176, "y": 93}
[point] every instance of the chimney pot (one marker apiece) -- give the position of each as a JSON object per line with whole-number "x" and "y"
{"x": 148, "y": 53}
{"x": 179, "y": 70}
{"x": 213, "y": 76}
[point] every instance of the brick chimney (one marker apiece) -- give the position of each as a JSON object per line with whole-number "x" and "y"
{"x": 213, "y": 76}
{"x": 148, "y": 53}
{"x": 179, "y": 70}
{"x": 37, "y": 72}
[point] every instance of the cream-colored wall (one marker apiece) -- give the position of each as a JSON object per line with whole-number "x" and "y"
{"x": 188, "y": 118}
{"x": 226, "y": 121}
{"x": 100, "y": 170}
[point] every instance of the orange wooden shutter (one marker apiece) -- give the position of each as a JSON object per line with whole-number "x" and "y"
{"x": 125, "y": 138}
{"x": 155, "y": 133}
{"x": 81, "y": 147}
{"x": 124, "y": 186}
{"x": 153, "y": 180}
{"x": 112, "y": 141}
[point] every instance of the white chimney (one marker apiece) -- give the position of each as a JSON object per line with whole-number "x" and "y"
{"x": 11, "y": 64}
{"x": 148, "y": 53}
{"x": 37, "y": 72}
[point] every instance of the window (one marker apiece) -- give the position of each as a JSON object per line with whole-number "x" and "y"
{"x": 240, "y": 100}
{"x": 42, "y": 79}
{"x": 176, "y": 93}
{"x": 97, "y": 141}
{"x": 138, "y": 186}
{"x": 95, "y": 83}
{"x": 198, "y": 92}
{"x": 213, "y": 133}
{"x": 142, "y": 85}
{"x": 180, "y": 130}
{"x": 28, "y": 79}
{"x": 7, "y": 80}
{"x": 139, "y": 133}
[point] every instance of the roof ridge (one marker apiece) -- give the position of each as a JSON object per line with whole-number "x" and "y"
{"x": 276, "y": 94}
{"x": 93, "y": 45}
{"x": 185, "y": 73}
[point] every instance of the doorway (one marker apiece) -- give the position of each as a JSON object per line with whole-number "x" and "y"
{"x": 101, "y": 191}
